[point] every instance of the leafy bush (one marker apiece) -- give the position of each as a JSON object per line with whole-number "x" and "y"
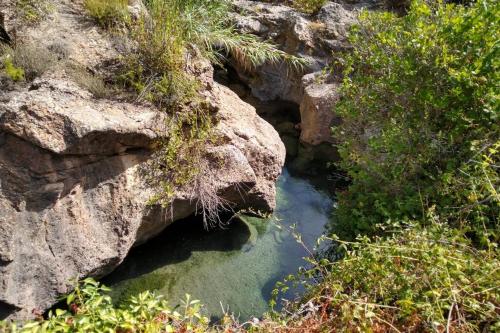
{"x": 108, "y": 13}
{"x": 308, "y": 6}
{"x": 421, "y": 115}
{"x": 90, "y": 309}
{"x": 417, "y": 280}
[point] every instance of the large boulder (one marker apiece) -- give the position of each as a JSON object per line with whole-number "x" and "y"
{"x": 73, "y": 199}
{"x": 73, "y": 196}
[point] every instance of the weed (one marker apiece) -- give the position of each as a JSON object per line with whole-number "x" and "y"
{"x": 13, "y": 72}
{"x": 108, "y": 13}
{"x": 32, "y": 11}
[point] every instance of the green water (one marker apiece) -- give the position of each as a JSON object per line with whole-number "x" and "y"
{"x": 235, "y": 268}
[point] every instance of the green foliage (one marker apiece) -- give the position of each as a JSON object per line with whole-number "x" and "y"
{"x": 417, "y": 280}
{"x": 13, "y": 72}
{"x": 108, "y": 13}
{"x": 174, "y": 32}
{"x": 308, "y": 6}
{"x": 421, "y": 115}
{"x": 90, "y": 309}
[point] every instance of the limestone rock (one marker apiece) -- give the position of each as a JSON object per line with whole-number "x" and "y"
{"x": 57, "y": 115}
{"x": 73, "y": 198}
{"x": 137, "y": 9}
{"x": 316, "y": 110}
{"x": 259, "y": 142}
{"x": 315, "y": 38}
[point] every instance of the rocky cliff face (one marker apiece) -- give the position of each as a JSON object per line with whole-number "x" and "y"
{"x": 315, "y": 37}
{"x": 72, "y": 194}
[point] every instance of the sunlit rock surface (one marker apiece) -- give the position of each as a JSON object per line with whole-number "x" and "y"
{"x": 73, "y": 199}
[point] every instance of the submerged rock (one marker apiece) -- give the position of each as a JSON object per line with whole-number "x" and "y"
{"x": 73, "y": 198}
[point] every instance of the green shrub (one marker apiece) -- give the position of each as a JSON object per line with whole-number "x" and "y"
{"x": 417, "y": 280}
{"x": 90, "y": 309}
{"x": 420, "y": 114}
{"x": 308, "y": 6}
{"x": 108, "y": 13}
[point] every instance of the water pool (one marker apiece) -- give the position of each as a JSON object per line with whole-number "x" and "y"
{"x": 235, "y": 268}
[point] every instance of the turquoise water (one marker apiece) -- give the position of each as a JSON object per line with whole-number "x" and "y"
{"x": 235, "y": 268}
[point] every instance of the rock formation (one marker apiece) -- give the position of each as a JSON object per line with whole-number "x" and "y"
{"x": 315, "y": 37}
{"x": 73, "y": 199}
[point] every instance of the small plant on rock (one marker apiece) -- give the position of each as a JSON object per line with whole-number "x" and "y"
{"x": 32, "y": 11}
{"x": 308, "y": 6}
{"x": 34, "y": 60}
{"x": 108, "y": 13}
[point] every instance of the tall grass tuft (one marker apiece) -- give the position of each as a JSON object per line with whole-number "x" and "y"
{"x": 174, "y": 28}
{"x": 108, "y": 13}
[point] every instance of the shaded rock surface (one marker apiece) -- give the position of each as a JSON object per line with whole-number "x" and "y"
{"x": 73, "y": 199}
{"x": 317, "y": 38}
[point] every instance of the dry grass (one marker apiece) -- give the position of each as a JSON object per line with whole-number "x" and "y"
{"x": 108, "y": 13}
{"x": 32, "y": 58}
{"x": 208, "y": 201}
{"x": 88, "y": 80}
